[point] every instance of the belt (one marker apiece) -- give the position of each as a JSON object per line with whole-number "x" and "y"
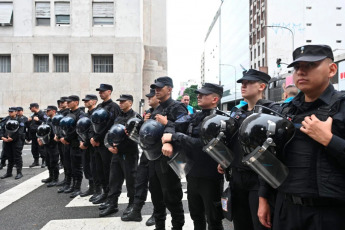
{"x": 310, "y": 201}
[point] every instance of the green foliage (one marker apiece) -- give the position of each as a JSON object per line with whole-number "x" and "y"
{"x": 193, "y": 96}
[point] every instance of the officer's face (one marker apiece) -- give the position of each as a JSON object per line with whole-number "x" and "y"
{"x": 207, "y": 101}
{"x": 104, "y": 94}
{"x": 163, "y": 94}
{"x": 12, "y": 114}
{"x": 125, "y": 105}
{"x": 72, "y": 104}
{"x": 19, "y": 113}
{"x": 313, "y": 77}
{"x": 251, "y": 89}
{"x": 153, "y": 101}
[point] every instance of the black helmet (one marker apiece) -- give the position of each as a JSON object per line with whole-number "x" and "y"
{"x": 68, "y": 125}
{"x": 43, "y": 133}
{"x": 115, "y": 135}
{"x": 150, "y": 135}
{"x": 99, "y": 120}
{"x": 265, "y": 125}
{"x": 56, "y": 119}
{"x": 212, "y": 125}
{"x": 83, "y": 127}
{"x": 12, "y": 126}
{"x": 133, "y": 126}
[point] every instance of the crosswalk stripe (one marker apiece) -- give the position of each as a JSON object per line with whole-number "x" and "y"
{"x": 110, "y": 223}
{"x": 123, "y": 199}
{"x": 19, "y": 191}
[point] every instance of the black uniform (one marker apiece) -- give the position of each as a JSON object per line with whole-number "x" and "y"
{"x": 204, "y": 183}
{"x": 3, "y": 154}
{"x": 244, "y": 182}
{"x": 124, "y": 164}
{"x": 313, "y": 195}
{"x": 13, "y": 149}
{"x": 37, "y": 151}
{"x": 165, "y": 186}
{"x": 52, "y": 151}
{"x": 24, "y": 120}
{"x": 61, "y": 146}
{"x": 102, "y": 154}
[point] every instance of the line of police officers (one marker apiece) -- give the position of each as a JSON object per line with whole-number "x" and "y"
{"x": 285, "y": 164}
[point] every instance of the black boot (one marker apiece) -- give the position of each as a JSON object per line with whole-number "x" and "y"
{"x": 8, "y": 173}
{"x": 71, "y": 187}
{"x": 90, "y": 190}
{"x": 2, "y": 165}
{"x": 66, "y": 186}
{"x": 104, "y": 205}
{"x": 151, "y": 221}
{"x": 76, "y": 191}
{"x": 101, "y": 198}
{"x": 19, "y": 174}
{"x": 49, "y": 179}
{"x": 112, "y": 208}
{"x": 55, "y": 179}
{"x": 129, "y": 207}
{"x": 98, "y": 191}
{"x": 133, "y": 215}
{"x": 43, "y": 165}
{"x": 35, "y": 163}
{"x": 61, "y": 183}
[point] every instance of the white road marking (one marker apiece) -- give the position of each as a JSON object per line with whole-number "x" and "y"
{"x": 123, "y": 199}
{"x": 110, "y": 223}
{"x": 19, "y": 191}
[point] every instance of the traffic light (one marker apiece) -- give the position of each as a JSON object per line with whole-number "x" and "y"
{"x": 279, "y": 62}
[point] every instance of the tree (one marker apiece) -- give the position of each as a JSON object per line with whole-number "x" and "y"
{"x": 193, "y": 96}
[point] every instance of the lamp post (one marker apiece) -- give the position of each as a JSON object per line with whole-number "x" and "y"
{"x": 283, "y": 27}
{"x": 235, "y": 77}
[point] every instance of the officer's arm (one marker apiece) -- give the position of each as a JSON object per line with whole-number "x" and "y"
{"x": 17, "y": 135}
{"x": 178, "y": 112}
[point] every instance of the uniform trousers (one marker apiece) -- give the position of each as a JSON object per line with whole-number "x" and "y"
{"x": 103, "y": 160}
{"x": 36, "y": 150}
{"x": 89, "y": 165}
{"x": 52, "y": 158}
{"x": 76, "y": 163}
{"x": 13, "y": 151}
{"x": 142, "y": 182}
{"x": 67, "y": 165}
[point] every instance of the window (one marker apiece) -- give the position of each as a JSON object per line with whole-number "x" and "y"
{"x": 251, "y": 56}
{"x": 61, "y": 63}
{"x": 254, "y": 53}
{"x": 102, "y": 63}
{"x": 338, "y": 8}
{"x": 308, "y": 7}
{"x": 41, "y": 63}
{"x": 258, "y": 50}
{"x": 62, "y": 14}
{"x": 263, "y": 47}
{"x": 308, "y": 24}
{"x": 6, "y": 13}
{"x": 338, "y": 41}
{"x": 103, "y": 13}
{"x": 263, "y": 62}
{"x": 259, "y": 64}
{"x": 42, "y": 14}
{"x": 308, "y": 41}
{"x": 5, "y": 63}
{"x": 254, "y": 65}
{"x": 338, "y": 24}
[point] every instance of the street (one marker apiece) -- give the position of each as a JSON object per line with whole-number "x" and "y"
{"x": 28, "y": 204}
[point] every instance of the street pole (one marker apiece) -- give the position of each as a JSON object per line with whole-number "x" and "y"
{"x": 283, "y": 27}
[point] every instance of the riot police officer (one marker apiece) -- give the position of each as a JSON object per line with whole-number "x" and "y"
{"x": 73, "y": 157}
{"x": 12, "y": 138}
{"x": 24, "y": 119}
{"x": 142, "y": 179}
{"x": 89, "y": 160}
{"x": 103, "y": 156}
{"x": 165, "y": 186}
{"x": 204, "y": 183}
{"x": 313, "y": 195}
{"x": 3, "y": 154}
{"x": 35, "y": 120}
{"x": 45, "y": 138}
{"x": 244, "y": 182}
{"x": 124, "y": 162}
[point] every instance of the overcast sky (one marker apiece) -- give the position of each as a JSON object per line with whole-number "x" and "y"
{"x": 187, "y": 24}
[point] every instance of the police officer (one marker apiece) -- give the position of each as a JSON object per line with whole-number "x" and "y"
{"x": 103, "y": 155}
{"x": 204, "y": 183}
{"x": 244, "y": 182}
{"x": 142, "y": 179}
{"x": 124, "y": 162}
{"x": 50, "y": 147}
{"x": 13, "y": 143}
{"x": 89, "y": 160}
{"x": 24, "y": 119}
{"x": 313, "y": 195}
{"x": 3, "y": 154}
{"x": 35, "y": 120}
{"x": 165, "y": 186}
{"x": 73, "y": 159}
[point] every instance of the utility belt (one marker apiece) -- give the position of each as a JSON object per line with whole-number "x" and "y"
{"x": 313, "y": 202}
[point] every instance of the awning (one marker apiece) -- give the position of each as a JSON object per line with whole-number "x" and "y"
{"x": 6, "y": 10}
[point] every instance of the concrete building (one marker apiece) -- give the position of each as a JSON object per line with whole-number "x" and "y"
{"x": 53, "y": 48}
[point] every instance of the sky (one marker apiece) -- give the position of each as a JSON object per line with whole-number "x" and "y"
{"x": 187, "y": 25}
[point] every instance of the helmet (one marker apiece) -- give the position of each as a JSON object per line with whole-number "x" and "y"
{"x": 262, "y": 135}
{"x": 43, "y": 133}
{"x": 68, "y": 125}
{"x": 83, "y": 127}
{"x": 12, "y": 126}
{"x": 115, "y": 135}
{"x": 265, "y": 125}
{"x": 99, "y": 120}
{"x": 56, "y": 119}
{"x": 133, "y": 126}
{"x": 150, "y": 135}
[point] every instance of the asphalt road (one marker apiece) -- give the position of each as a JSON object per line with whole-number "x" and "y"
{"x": 29, "y": 204}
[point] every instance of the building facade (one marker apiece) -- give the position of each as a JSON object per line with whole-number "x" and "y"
{"x": 52, "y": 48}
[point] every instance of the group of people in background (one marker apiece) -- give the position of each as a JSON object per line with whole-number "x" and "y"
{"x": 312, "y": 196}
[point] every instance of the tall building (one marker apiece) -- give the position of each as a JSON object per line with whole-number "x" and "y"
{"x": 54, "y": 48}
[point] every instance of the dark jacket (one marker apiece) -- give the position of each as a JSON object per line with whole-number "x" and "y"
{"x": 114, "y": 111}
{"x": 17, "y": 136}
{"x": 73, "y": 137}
{"x": 315, "y": 170}
{"x": 91, "y": 131}
{"x": 33, "y": 125}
